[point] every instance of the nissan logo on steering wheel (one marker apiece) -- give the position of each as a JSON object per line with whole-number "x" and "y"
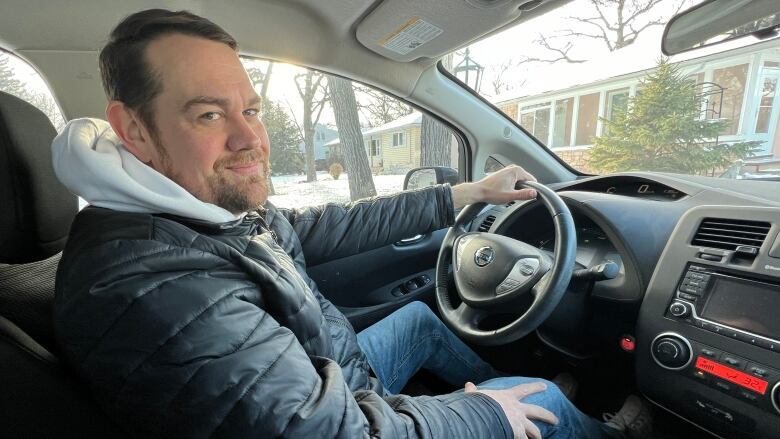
{"x": 483, "y": 256}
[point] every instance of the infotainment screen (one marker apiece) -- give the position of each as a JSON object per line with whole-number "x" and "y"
{"x": 751, "y": 306}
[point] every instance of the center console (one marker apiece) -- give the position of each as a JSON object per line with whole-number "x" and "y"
{"x": 708, "y": 334}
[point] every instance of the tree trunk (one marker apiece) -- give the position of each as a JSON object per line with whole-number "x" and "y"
{"x": 435, "y": 138}
{"x": 308, "y": 126}
{"x": 361, "y": 183}
{"x": 263, "y": 96}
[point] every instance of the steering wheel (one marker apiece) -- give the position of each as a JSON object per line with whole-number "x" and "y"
{"x": 495, "y": 274}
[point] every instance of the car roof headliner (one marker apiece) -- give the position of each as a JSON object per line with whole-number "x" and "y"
{"x": 62, "y": 39}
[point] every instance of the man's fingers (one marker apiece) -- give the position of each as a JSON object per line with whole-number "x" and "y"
{"x": 535, "y": 412}
{"x": 523, "y": 175}
{"x": 531, "y": 430}
{"x": 470, "y": 387}
{"x": 526, "y": 194}
{"x": 520, "y": 391}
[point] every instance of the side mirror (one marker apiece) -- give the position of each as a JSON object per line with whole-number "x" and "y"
{"x": 429, "y": 175}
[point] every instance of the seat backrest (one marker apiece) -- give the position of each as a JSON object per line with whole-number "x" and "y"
{"x": 39, "y": 398}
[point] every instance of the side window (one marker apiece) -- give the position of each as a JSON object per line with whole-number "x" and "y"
{"x": 334, "y": 140}
{"x": 19, "y": 79}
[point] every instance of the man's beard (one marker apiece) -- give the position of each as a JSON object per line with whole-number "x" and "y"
{"x": 248, "y": 193}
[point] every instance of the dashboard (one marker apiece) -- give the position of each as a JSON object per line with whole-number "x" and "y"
{"x": 699, "y": 286}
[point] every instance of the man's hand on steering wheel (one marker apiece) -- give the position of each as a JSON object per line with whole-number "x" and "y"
{"x": 496, "y": 188}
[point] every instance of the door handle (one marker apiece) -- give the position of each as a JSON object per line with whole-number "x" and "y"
{"x": 409, "y": 241}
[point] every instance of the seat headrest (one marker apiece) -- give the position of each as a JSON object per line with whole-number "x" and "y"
{"x": 36, "y": 210}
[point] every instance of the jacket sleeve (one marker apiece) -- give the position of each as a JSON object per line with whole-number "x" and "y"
{"x": 189, "y": 353}
{"x": 334, "y": 231}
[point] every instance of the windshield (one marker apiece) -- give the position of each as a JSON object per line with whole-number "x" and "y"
{"x": 588, "y": 80}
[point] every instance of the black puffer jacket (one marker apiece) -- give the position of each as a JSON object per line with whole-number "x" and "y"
{"x": 192, "y": 329}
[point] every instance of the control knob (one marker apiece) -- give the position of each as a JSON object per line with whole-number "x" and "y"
{"x": 776, "y": 397}
{"x": 680, "y": 309}
{"x": 671, "y": 351}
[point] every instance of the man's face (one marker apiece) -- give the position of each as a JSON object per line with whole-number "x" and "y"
{"x": 209, "y": 138}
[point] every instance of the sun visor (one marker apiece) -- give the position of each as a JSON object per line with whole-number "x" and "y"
{"x": 404, "y": 30}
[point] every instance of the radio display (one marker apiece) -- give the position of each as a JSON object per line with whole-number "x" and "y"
{"x": 750, "y": 306}
{"x": 732, "y": 375}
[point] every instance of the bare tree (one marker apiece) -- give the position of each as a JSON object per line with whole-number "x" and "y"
{"x": 263, "y": 77}
{"x": 616, "y": 23}
{"x": 379, "y": 108}
{"x": 435, "y": 138}
{"x": 499, "y": 75}
{"x": 313, "y": 90}
{"x": 361, "y": 183}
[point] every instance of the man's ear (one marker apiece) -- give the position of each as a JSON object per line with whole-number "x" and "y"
{"x": 130, "y": 131}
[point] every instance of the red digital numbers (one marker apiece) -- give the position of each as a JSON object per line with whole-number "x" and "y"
{"x": 732, "y": 375}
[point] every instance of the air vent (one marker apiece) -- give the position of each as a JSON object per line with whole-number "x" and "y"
{"x": 729, "y": 234}
{"x": 485, "y": 226}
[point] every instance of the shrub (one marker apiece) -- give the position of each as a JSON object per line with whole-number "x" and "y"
{"x": 335, "y": 170}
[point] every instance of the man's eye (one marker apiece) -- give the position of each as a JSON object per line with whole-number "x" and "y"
{"x": 211, "y": 115}
{"x": 252, "y": 112}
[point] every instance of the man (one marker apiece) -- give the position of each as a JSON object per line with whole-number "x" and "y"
{"x": 185, "y": 304}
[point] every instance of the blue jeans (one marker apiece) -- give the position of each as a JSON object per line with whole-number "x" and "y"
{"x": 413, "y": 338}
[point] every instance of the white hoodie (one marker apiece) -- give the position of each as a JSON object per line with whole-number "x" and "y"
{"x": 91, "y": 162}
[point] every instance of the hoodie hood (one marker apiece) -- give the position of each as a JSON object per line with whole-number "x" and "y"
{"x": 90, "y": 160}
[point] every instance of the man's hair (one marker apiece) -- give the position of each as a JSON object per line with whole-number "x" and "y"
{"x": 124, "y": 69}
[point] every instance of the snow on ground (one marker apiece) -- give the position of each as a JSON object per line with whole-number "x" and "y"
{"x": 293, "y": 191}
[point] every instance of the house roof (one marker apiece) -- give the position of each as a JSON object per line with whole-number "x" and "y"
{"x": 636, "y": 58}
{"x": 413, "y": 118}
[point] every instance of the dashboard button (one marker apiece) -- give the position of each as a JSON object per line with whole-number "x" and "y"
{"x": 709, "y": 353}
{"x": 680, "y": 309}
{"x": 722, "y": 385}
{"x": 748, "y": 396}
{"x": 736, "y": 363}
{"x": 687, "y": 296}
{"x": 758, "y": 371}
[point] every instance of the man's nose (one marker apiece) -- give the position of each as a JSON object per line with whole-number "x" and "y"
{"x": 244, "y": 136}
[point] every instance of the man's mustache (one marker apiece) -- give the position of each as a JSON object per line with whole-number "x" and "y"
{"x": 243, "y": 158}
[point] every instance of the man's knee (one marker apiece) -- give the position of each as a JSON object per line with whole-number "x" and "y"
{"x": 422, "y": 316}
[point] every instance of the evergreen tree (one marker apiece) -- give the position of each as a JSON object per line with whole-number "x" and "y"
{"x": 286, "y": 158}
{"x": 662, "y": 130}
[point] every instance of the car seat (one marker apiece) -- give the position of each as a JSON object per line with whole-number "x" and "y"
{"x": 39, "y": 396}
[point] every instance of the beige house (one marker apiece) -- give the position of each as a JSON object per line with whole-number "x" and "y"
{"x": 391, "y": 148}
{"x": 565, "y": 111}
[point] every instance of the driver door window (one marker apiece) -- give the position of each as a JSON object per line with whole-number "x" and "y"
{"x": 316, "y": 158}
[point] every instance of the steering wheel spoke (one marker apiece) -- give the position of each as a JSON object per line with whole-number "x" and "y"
{"x": 469, "y": 317}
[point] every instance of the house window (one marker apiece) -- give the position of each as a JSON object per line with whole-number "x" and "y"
{"x": 697, "y": 78}
{"x": 587, "y": 117}
{"x": 398, "y": 139}
{"x": 733, "y": 80}
{"x": 564, "y": 110}
{"x": 617, "y": 101}
{"x": 376, "y": 149}
{"x": 768, "y": 92}
{"x": 536, "y": 119}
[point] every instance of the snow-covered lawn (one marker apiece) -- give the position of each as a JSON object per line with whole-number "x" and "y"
{"x": 293, "y": 191}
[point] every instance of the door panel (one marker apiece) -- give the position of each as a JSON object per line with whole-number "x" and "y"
{"x": 362, "y": 286}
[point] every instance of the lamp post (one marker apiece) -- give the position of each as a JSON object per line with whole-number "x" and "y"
{"x": 469, "y": 71}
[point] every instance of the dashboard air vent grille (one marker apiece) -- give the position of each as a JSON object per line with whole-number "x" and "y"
{"x": 485, "y": 226}
{"x": 730, "y": 234}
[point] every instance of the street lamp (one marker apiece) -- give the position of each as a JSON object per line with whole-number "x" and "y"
{"x": 469, "y": 71}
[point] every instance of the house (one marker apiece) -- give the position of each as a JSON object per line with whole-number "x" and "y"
{"x": 392, "y": 147}
{"x": 565, "y": 111}
{"x": 322, "y": 135}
